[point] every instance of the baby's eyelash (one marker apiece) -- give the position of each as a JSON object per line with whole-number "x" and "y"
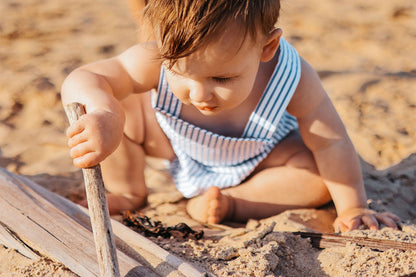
{"x": 221, "y": 79}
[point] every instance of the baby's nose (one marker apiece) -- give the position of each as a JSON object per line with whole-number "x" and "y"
{"x": 200, "y": 93}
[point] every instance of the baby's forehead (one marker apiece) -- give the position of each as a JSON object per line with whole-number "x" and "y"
{"x": 226, "y": 45}
{"x": 234, "y": 35}
{"x": 229, "y": 40}
{"x": 217, "y": 58}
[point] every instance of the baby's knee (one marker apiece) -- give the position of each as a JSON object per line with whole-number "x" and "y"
{"x": 137, "y": 201}
{"x": 319, "y": 195}
{"x": 118, "y": 203}
{"x": 303, "y": 159}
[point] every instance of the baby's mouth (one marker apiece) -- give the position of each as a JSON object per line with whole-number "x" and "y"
{"x": 204, "y": 108}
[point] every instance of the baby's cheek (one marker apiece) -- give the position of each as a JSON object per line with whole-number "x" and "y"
{"x": 181, "y": 93}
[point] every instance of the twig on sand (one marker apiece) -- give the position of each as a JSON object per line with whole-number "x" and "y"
{"x": 321, "y": 240}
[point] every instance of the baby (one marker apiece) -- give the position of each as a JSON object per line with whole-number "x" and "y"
{"x": 244, "y": 120}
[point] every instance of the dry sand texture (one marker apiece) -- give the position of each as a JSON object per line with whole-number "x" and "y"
{"x": 365, "y": 54}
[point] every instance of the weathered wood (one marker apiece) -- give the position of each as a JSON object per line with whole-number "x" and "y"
{"x": 97, "y": 204}
{"x": 40, "y": 226}
{"x": 321, "y": 240}
{"x": 150, "y": 259}
{"x": 11, "y": 239}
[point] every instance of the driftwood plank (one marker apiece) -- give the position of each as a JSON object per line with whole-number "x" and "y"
{"x": 37, "y": 224}
{"x": 321, "y": 240}
{"x": 9, "y": 238}
{"x": 147, "y": 254}
{"x": 130, "y": 242}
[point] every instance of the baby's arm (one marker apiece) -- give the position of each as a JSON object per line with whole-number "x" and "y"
{"x": 99, "y": 87}
{"x": 324, "y": 134}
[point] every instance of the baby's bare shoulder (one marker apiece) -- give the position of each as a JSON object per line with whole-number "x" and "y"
{"x": 142, "y": 63}
{"x": 309, "y": 92}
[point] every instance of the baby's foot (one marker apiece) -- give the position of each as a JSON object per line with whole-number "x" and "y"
{"x": 211, "y": 207}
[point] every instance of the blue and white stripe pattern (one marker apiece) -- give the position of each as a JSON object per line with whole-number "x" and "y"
{"x": 206, "y": 159}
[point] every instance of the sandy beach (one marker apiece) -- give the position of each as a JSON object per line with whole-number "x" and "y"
{"x": 364, "y": 53}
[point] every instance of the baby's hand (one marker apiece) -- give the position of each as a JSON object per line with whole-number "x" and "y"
{"x": 93, "y": 137}
{"x": 353, "y": 218}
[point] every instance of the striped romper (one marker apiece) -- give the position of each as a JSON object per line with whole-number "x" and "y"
{"x": 205, "y": 159}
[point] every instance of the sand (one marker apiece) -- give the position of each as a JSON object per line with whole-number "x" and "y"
{"x": 365, "y": 55}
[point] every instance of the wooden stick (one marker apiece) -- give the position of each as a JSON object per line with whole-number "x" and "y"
{"x": 321, "y": 240}
{"x": 97, "y": 204}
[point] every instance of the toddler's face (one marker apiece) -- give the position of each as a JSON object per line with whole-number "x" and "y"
{"x": 218, "y": 77}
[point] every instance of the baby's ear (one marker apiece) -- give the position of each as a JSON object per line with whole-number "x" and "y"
{"x": 271, "y": 45}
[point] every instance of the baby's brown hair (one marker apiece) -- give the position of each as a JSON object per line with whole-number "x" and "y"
{"x": 184, "y": 26}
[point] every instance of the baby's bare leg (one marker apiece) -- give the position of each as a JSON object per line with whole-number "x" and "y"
{"x": 123, "y": 170}
{"x": 286, "y": 179}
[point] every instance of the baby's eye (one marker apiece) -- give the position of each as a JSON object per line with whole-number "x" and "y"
{"x": 222, "y": 80}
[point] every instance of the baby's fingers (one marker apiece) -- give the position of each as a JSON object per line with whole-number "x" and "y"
{"x": 354, "y": 223}
{"x": 388, "y": 219}
{"x": 84, "y": 155}
{"x": 370, "y": 221}
{"x": 340, "y": 226}
{"x": 392, "y": 216}
{"x": 77, "y": 139}
{"x": 87, "y": 160}
{"x": 343, "y": 225}
{"x": 80, "y": 149}
{"x": 74, "y": 129}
